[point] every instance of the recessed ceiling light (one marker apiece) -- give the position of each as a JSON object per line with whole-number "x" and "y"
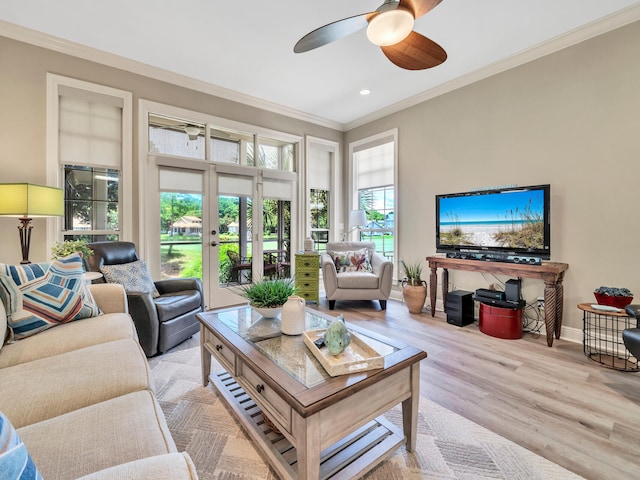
{"x": 365, "y": 91}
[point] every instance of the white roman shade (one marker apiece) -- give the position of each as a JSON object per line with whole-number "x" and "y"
{"x": 184, "y": 181}
{"x": 90, "y": 129}
{"x": 237, "y": 186}
{"x": 375, "y": 166}
{"x": 319, "y": 169}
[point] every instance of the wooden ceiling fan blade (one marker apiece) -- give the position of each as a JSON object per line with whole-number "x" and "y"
{"x": 416, "y": 52}
{"x": 419, "y": 7}
{"x": 331, "y": 32}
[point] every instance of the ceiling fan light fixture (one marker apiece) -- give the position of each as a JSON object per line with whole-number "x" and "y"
{"x": 390, "y": 27}
{"x": 192, "y": 131}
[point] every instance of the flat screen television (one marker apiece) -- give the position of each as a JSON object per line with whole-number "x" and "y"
{"x": 509, "y": 220}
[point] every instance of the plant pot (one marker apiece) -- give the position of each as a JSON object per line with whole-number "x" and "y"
{"x": 414, "y": 295}
{"x": 268, "y": 312}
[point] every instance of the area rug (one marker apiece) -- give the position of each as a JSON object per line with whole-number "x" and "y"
{"x": 448, "y": 445}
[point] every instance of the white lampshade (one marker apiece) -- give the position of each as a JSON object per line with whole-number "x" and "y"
{"x": 357, "y": 218}
{"x": 390, "y": 27}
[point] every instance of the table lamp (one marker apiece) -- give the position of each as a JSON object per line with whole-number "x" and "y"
{"x": 357, "y": 218}
{"x": 25, "y": 201}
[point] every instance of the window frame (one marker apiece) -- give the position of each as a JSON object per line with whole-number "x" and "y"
{"x": 55, "y": 171}
{"x": 389, "y": 136}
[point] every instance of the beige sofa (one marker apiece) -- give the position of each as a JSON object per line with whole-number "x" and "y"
{"x": 81, "y": 397}
{"x": 356, "y": 285}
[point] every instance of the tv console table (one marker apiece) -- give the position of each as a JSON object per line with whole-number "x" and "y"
{"x": 552, "y": 273}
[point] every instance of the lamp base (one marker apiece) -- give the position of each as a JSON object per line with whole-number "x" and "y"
{"x": 25, "y": 238}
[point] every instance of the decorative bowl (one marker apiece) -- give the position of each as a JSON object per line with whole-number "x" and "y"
{"x": 617, "y": 301}
{"x": 271, "y": 312}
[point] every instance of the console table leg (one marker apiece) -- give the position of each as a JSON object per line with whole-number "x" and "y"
{"x": 433, "y": 289}
{"x": 559, "y": 304}
{"x": 445, "y": 288}
{"x": 550, "y": 311}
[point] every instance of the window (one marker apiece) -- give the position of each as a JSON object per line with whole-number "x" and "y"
{"x": 319, "y": 209}
{"x": 374, "y": 161}
{"x": 89, "y": 145}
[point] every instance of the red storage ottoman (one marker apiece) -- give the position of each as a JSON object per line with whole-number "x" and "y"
{"x": 501, "y": 322}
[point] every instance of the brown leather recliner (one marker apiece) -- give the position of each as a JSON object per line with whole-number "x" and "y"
{"x": 161, "y": 322}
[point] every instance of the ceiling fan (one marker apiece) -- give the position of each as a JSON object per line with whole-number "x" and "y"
{"x": 390, "y": 26}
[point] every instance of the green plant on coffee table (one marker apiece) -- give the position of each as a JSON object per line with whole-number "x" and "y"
{"x": 62, "y": 249}
{"x": 413, "y": 272}
{"x": 269, "y": 293}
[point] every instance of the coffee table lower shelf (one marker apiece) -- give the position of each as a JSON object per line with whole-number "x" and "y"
{"x": 349, "y": 458}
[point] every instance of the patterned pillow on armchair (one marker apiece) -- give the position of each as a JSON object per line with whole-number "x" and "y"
{"x": 15, "y": 461}
{"x": 352, "y": 261}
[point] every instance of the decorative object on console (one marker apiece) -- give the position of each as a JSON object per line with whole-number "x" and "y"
{"x": 25, "y": 201}
{"x": 42, "y": 295}
{"x": 268, "y": 296}
{"x": 357, "y": 219}
{"x": 613, "y": 296}
{"x": 309, "y": 245}
{"x": 414, "y": 289}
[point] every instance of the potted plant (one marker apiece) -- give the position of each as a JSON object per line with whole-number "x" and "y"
{"x": 414, "y": 289}
{"x": 613, "y": 296}
{"x": 268, "y": 296}
{"x": 62, "y": 249}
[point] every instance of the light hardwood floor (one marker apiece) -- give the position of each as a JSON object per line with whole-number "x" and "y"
{"x": 553, "y": 401}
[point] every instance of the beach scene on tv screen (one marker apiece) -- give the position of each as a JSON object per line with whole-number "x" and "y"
{"x": 513, "y": 219}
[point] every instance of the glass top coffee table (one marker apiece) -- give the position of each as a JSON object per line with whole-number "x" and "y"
{"x": 308, "y": 424}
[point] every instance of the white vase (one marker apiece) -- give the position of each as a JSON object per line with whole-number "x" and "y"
{"x": 308, "y": 244}
{"x": 293, "y": 316}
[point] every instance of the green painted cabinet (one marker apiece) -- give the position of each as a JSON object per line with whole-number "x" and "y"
{"x": 307, "y": 276}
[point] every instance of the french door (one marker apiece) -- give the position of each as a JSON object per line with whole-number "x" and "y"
{"x": 227, "y": 224}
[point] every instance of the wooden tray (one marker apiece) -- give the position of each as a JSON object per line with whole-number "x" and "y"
{"x": 357, "y": 357}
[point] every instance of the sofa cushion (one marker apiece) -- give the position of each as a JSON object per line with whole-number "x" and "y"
{"x": 172, "y": 305}
{"x": 42, "y": 389}
{"x": 42, "y": 295}
{"x": 170, "y": 466}
{"x": 133, "y": 276}
{"x": 15, "y": 461}
{"x": 351, "y": 261}
{"x": 351, "y": 280}
{"x": 69, "y": 337}
{"x": 124, "y": 429}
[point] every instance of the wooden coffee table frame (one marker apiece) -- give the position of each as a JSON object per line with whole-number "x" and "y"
{"x": 331, "y": 430}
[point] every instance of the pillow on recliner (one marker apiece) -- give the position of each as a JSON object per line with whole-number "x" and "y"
{"x": 352, "y": 261}
{"x": 134, "y": 277}
{"x": 38, "y": 296}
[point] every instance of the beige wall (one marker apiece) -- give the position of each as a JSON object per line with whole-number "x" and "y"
{"x": 571, "y": 119}
{"x": 23, "y": 70}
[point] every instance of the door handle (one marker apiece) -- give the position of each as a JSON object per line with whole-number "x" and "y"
{"x": 213, "y": 232}
{"x": 214, "y": 244}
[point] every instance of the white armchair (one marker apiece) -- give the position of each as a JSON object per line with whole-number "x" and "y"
{"x": 353, "y": 278}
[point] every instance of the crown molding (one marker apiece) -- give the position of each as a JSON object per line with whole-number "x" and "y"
{"x": 39, "y": 39}
{"x": 591, "y": 30}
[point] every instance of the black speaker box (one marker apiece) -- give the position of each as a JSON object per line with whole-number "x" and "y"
{"x": 512, "y": 290}
{"x": 459, "y": 306}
